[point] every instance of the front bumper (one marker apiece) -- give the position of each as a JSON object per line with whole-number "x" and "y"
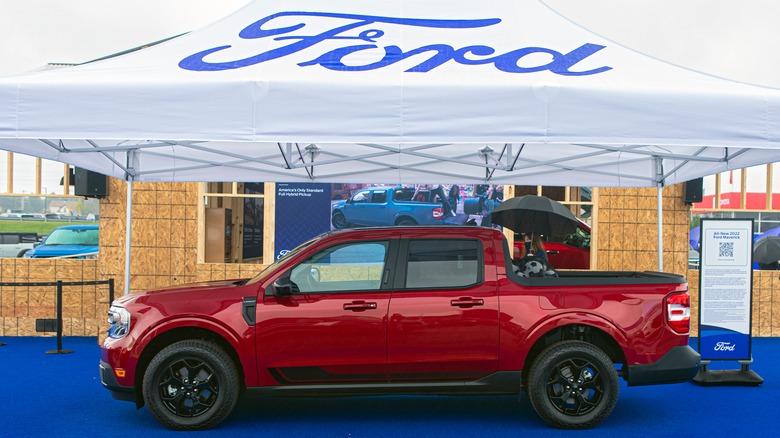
{"x": 107, "y": 377}
{"x": 680, "y": 364}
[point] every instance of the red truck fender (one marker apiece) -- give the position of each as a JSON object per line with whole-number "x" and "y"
{"x": 237, "y": 342}
{"x": 559, "y": 320}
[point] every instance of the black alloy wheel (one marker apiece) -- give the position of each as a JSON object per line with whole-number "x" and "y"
{"x": 339, "y": 220}
{"x": 191, "y": 385}
{"x": 573, "y": 385}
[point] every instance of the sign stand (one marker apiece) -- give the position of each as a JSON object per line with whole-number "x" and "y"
{"x": 726, "y": 301}
{"x": 741, "y": 377}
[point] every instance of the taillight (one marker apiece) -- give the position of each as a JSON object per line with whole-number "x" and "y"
{"x": 678, "y": 311}
{"x": 438, "y": 213}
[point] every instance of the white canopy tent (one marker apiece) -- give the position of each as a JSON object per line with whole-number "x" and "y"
{"x": 392, "y": 91}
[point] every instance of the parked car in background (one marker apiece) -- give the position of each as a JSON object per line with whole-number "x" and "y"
{"x": 571, "y": 251}
{"x": 13, "y": 244}
{"x": 33, "y": 216}
{"x": 75, "y": 241}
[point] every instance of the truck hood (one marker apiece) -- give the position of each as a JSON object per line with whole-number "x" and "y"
{"x": 196, "y": 287}
{"x": 61, "y": 250}
{"x": 192, "y": 291}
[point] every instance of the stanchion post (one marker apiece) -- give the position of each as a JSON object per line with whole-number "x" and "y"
{"x": 110, "y": 291}
{"x": 59, "y": 349}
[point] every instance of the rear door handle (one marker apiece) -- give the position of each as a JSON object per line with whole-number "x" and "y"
{"x": 359, "y": 306}
{"x": 467, "y": 302}
{"x": 553, "y": 252}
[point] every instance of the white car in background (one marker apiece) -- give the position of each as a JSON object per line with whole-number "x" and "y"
{"x": 17, "y": 244}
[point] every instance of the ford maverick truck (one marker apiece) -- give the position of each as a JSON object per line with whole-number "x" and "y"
{"x": 399, "y": 310}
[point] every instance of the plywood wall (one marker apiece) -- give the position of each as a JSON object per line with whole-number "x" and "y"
{"x": 628, "y": 230}
{"x": 164, "y": 252}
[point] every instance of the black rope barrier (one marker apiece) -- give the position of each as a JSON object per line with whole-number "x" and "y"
{"x": 59, "y": 285}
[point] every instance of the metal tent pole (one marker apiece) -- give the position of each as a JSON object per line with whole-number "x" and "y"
{"x": 128, "y": 231}
{"x": 659, "y": 177}
{"x": 660, "y": 229}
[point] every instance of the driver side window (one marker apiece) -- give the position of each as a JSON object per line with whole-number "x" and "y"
{"x": 360, "y": 197}
{"x": 350, "y": 267}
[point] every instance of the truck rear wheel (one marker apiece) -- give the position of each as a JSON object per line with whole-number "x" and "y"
{"x": 190, "y": 385}
{"x": 573, "y": 385}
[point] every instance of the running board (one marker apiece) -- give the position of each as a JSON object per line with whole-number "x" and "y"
{"x": 499, "y": 383}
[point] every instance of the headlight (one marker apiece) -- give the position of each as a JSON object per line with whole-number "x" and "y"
{"x": 27, "y": 255}
{"x": 118, "y": 322}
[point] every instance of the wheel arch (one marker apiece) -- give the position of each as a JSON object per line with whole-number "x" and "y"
{"x": 404, "y": 217}
{"x": 160, "y": 340}
{"x": 600, "y": 337}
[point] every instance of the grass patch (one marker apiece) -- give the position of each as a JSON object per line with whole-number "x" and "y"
{"x": 39, "y": 227}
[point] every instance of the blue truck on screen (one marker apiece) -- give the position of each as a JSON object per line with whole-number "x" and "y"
{"x": 382, "y": 206}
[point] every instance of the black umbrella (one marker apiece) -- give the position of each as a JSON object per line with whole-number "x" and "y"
{"x": 767, "y": 250}
{"x": 535, "y": 214}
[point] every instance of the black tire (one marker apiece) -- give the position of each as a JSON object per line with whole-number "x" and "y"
{"x": 406, "y": 221}
{"x": 339, "y": 220}
{"x": 199, "y": 403}
{"x": 22, "y": 253}
{"x": 573, "y": 385}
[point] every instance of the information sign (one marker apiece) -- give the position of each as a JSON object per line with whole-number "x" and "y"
{"x": 725, "y": 289}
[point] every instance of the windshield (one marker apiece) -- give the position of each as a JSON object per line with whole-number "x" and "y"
{"x": 72, "y": 237}
{"x": 270, "y": 268}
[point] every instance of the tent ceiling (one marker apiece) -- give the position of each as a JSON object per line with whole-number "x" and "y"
{"x": 526, "y": 163}
{"x": 391, "y": 91}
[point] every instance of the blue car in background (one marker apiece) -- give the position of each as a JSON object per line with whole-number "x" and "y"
{"x": 73, "y": 241}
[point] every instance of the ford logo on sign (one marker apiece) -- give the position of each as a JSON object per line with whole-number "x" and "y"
{"x": 364, "y": 33}
{"x": 725, "y": 346}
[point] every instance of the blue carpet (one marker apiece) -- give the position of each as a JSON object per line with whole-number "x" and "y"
{"x": 61, "y": 395}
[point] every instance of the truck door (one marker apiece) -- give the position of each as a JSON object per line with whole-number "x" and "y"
{"x": 443, "y": 317}
{"x": 376, "y": 209}
{"x": 332, "y": 326}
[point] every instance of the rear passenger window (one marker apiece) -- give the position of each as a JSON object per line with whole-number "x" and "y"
{"x": 9, "y": 239}
{"x": 443, "y": 263}
{"x": 379, "y": 196}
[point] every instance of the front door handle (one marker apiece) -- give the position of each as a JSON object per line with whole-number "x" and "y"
{"x": 359, "y": 306}
{"x": 467, "y": 302}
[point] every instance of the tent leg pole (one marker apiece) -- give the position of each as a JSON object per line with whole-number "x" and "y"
{"x": 128, "y": 231}
{"x": 660, "y": 229}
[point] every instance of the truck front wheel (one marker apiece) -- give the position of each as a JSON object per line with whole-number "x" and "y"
{"x": 190, "y": 385}
{"x": 573, "y": 385}
{"x": 339, "y": 220}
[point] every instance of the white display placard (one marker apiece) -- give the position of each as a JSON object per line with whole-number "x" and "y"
{"x": 725, "y": 289}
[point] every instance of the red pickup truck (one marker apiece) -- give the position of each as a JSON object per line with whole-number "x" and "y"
{"x": 399, "y": 310}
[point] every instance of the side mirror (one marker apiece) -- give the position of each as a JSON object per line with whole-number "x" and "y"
{"x": 282, "y": 287}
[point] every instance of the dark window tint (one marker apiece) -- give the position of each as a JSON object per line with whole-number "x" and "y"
{"x": 379, "y": 196}
{"x": 443, "y": 263}
{"x": 9, "y": 239}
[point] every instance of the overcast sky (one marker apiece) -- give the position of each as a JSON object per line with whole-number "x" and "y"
{"x": 36, "y": 32}
{"x": 735, "y": 40}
